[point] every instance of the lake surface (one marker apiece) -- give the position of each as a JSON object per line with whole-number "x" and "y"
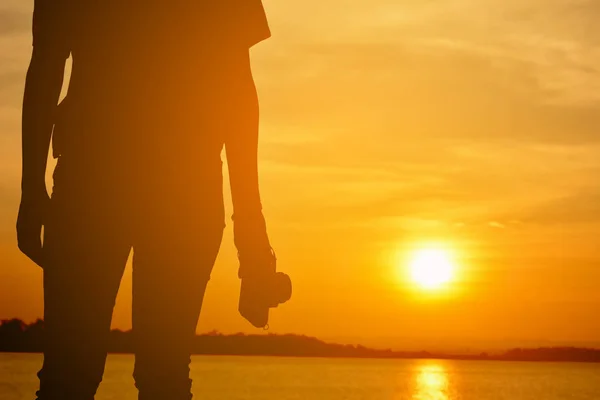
{"x": 264, "y": 378}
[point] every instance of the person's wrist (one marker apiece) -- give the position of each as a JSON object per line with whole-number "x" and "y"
{"x": 250, "y": 232}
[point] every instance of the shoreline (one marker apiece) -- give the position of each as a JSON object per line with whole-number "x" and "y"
{"x": 440, "y": 357}
{"x": 19, "y": 337}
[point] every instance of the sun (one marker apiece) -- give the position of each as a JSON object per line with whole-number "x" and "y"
{"x": 431, "y": 268}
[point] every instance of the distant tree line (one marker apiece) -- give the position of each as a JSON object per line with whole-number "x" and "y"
{"x": 17, "y": 336}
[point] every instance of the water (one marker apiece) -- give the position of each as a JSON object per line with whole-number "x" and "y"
{"x": 252, "y": 378}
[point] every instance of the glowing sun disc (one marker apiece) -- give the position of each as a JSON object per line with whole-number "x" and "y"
{"x": 431, "y": 268}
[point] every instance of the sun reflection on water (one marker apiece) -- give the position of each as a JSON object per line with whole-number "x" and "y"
{"x": 431, "y": 382}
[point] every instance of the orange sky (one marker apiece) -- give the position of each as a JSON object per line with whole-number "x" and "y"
{"x": 389, "y": 124}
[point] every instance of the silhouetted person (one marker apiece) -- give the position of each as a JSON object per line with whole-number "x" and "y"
{"x": 155, "y": 93}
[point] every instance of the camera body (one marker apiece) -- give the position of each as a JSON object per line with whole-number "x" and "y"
{"x": 262, "y": 287}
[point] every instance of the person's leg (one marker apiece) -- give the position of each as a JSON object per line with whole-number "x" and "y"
{"x": 173, "y": 258}
{"x": 85, "y": 251}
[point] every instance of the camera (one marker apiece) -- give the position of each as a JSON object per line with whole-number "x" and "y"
{"x": 262, "y": 287}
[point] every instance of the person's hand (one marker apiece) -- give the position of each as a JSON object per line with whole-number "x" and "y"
{"x": 31, "y": 218}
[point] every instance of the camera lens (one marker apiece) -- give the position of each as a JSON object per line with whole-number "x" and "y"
{"x": 283, "y": 287}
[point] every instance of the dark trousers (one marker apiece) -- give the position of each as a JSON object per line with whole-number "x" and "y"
{"x": 97, "y": 216}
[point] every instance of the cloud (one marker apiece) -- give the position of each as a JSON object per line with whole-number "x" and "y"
{"x": 558, "y": 40}
{"x": 582, "y": 207}
{"x": 391, "y": 92}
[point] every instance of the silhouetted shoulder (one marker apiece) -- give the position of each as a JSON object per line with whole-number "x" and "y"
{"x": 242, "y": 21}
{"x": 253, "y": 14}
{"x": 50, "y": 26}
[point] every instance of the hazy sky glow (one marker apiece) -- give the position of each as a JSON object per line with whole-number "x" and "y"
{"x": 468, "y": 123}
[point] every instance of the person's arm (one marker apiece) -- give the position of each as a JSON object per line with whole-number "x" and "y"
{"x": 40, "y": 100}
{"x": 241, "y": 140}
{"x": 241, "y": 145}
{"x": 42, "y": 89}
{"x": 245, "y": 26}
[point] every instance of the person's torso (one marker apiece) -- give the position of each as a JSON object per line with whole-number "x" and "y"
{"x": 142, "y": 82}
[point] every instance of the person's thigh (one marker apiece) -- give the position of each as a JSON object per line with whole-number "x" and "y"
{"x": 174, "y": 254}
{"x": 85, "y": 251}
